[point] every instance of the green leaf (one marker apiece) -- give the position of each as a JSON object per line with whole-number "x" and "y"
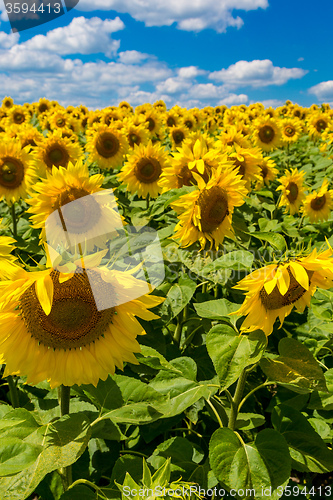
{"x": 150, "y": 357}
{"x": 323, "y": 400}
{"x": 80, "y": 492}
{"x": 184, "y": 455}
{"x": 307, "y": 449}
{"x": 275, "y": 239}
{"x": 217, "y": 309}
{"x": 262, "y": 464}
{"x": 231, "y": 352}
{"x": 238, "y": 260}
{"x": 178, "y": 297}
{"x": 295, "y": 367}
{"x": 16, "y": 455}
{"x": 62, "y": 443}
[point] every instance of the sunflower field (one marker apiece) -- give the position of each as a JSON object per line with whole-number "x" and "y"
{"x": 166, "y": 304}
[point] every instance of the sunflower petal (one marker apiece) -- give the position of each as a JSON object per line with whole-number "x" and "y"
{"x": 300, "y": 274}
{"x": 283, "y": 281}
{"x": 44, "y": 292}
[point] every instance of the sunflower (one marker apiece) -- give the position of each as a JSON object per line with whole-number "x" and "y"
{"x": 87, "y": 221}
{"x": 42, "y": 106}
{"x": 274, "y": 290}
{"x": 178, "y": 135}
{"x": 232, "y": 135}
{"x": 143, "y": 169}
{"x": 17, "y": 115}
{"x": 160, "y": 106}
{"x": 246, "y": 162}
{"x": 292, "y": 189}
{"x": 125, "y": 107}
{"x": 106, "y": 146}
{"x": 317, "y": 123}
{"x": 51, "y": 327}
{"x": 7, "y": 260}
{"x": 28, "y": 135}
{"x": 171, "y": 119}
{"x": 291, "y": 130}
{"x": 16, "y": 171}
{"x": 135, "y": 134}
{"x": 268, "y": 171}
{"x": 266, "y": 133}
{"x": 206, "y": 213}
{"x": 153, "y": 122}
{"x": 190, "y": 159}
{"x": 317, "y": 206}
{"x": 7, "y": 103}
{"x": 56, "y": 151}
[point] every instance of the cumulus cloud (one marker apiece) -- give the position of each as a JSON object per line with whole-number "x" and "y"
{"x": 132, "y": 57}
{"x": 188, "y": 15}
{"x": 257, "y": 73}
{"x": 8, "y": 40}
{"x": 234, "y": 100}
{"x": 323, "y": 91}
{"x": 81, "y": 36}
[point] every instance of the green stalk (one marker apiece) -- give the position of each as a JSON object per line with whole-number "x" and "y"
{"x": 65, "y": 472}
{"x": 147, "y": 202}
{"x": 14, "y": 221}
{"x": 14, "y": 397}
{"x": 237, "y": 399}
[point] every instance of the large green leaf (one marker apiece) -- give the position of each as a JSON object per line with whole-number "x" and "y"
{"x": 275, "y": 239}
{"x": 178, "y": 297}
{"x": 257, "y": 466}
{"x": 217, "y": 309}
{"x": 231, "y": 352}
{"x": 295, "y": 367}
{"x": 62, "y": 442}
{"x": 16, "y": 455}
{"x": 323, "y": 400}
{"x": 307, "y": 449}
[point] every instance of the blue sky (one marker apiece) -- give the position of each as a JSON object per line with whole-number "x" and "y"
{"x": 193, "y": 53}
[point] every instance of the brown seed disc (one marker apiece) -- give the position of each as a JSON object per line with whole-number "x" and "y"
{"x": 56, "y": 155}
{"x": 213, "y": 205}
{"x": 318, "y": 203}
{"x": 293, "y": 194}
{"x": 275, "y": 300}
{"x": 107, "y": 144}
{"x": 11, "y": 172}
{"x": 147, "y": 169}
{"x": 266, "y": 134}
{"x": 74, "y": 320}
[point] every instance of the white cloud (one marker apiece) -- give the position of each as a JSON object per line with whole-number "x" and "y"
{"x": 234, "y": 100}
{"x": 189, "y": 15}
{"x": 323, "y": 91}
{"x": 81, "y": 36}
{"x": 132, "y": 57}
{"x": 300, "y": 59}
{"x": 274, "y": 103}
{"x": 257, "y": 73}
{"x": 8, "y": 40}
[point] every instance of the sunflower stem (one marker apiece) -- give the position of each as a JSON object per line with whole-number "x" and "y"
{"x": 14, "y": 397}
{"x": 65, "y": 472}
{"x": 147, "y": 202}
{"x": 301, "y": 222}
{"x": 237, "y": 399}
{"x": 14, "y": 221}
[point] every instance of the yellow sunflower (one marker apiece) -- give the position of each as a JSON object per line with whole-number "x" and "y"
{"x": 317, "y": 206}
{"x": 17, "y": 115}
{"x": 16, "y": 171}
{"x": 143, "y": 169}
{"x": 273, "y": 291}
{"x": 291, "y": 130}
{"x": 266, "y": 133}
{"x": 51, "y": 328}
{"x": 106, "y": 146}
{"x": 292, "y": 191}
{"x": 232, "y": 135}
{"x": 27, "y": 135}
{"x": 206, "y": 213}
{"x": 246, "y": 162}
{"x": 178, "y": 135}
{"x": 268, "y": 171}
{"x": 56, "y": 151}
{"x": 86, "y": 222}
{"x": 7, "y": 103}
{"x": 7, "y": 260}
{"x": 135, "y": 134}
{"x": 317, "y": 123}
{"x": 189, "y": 159}
{"x": 43, "y": 106}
